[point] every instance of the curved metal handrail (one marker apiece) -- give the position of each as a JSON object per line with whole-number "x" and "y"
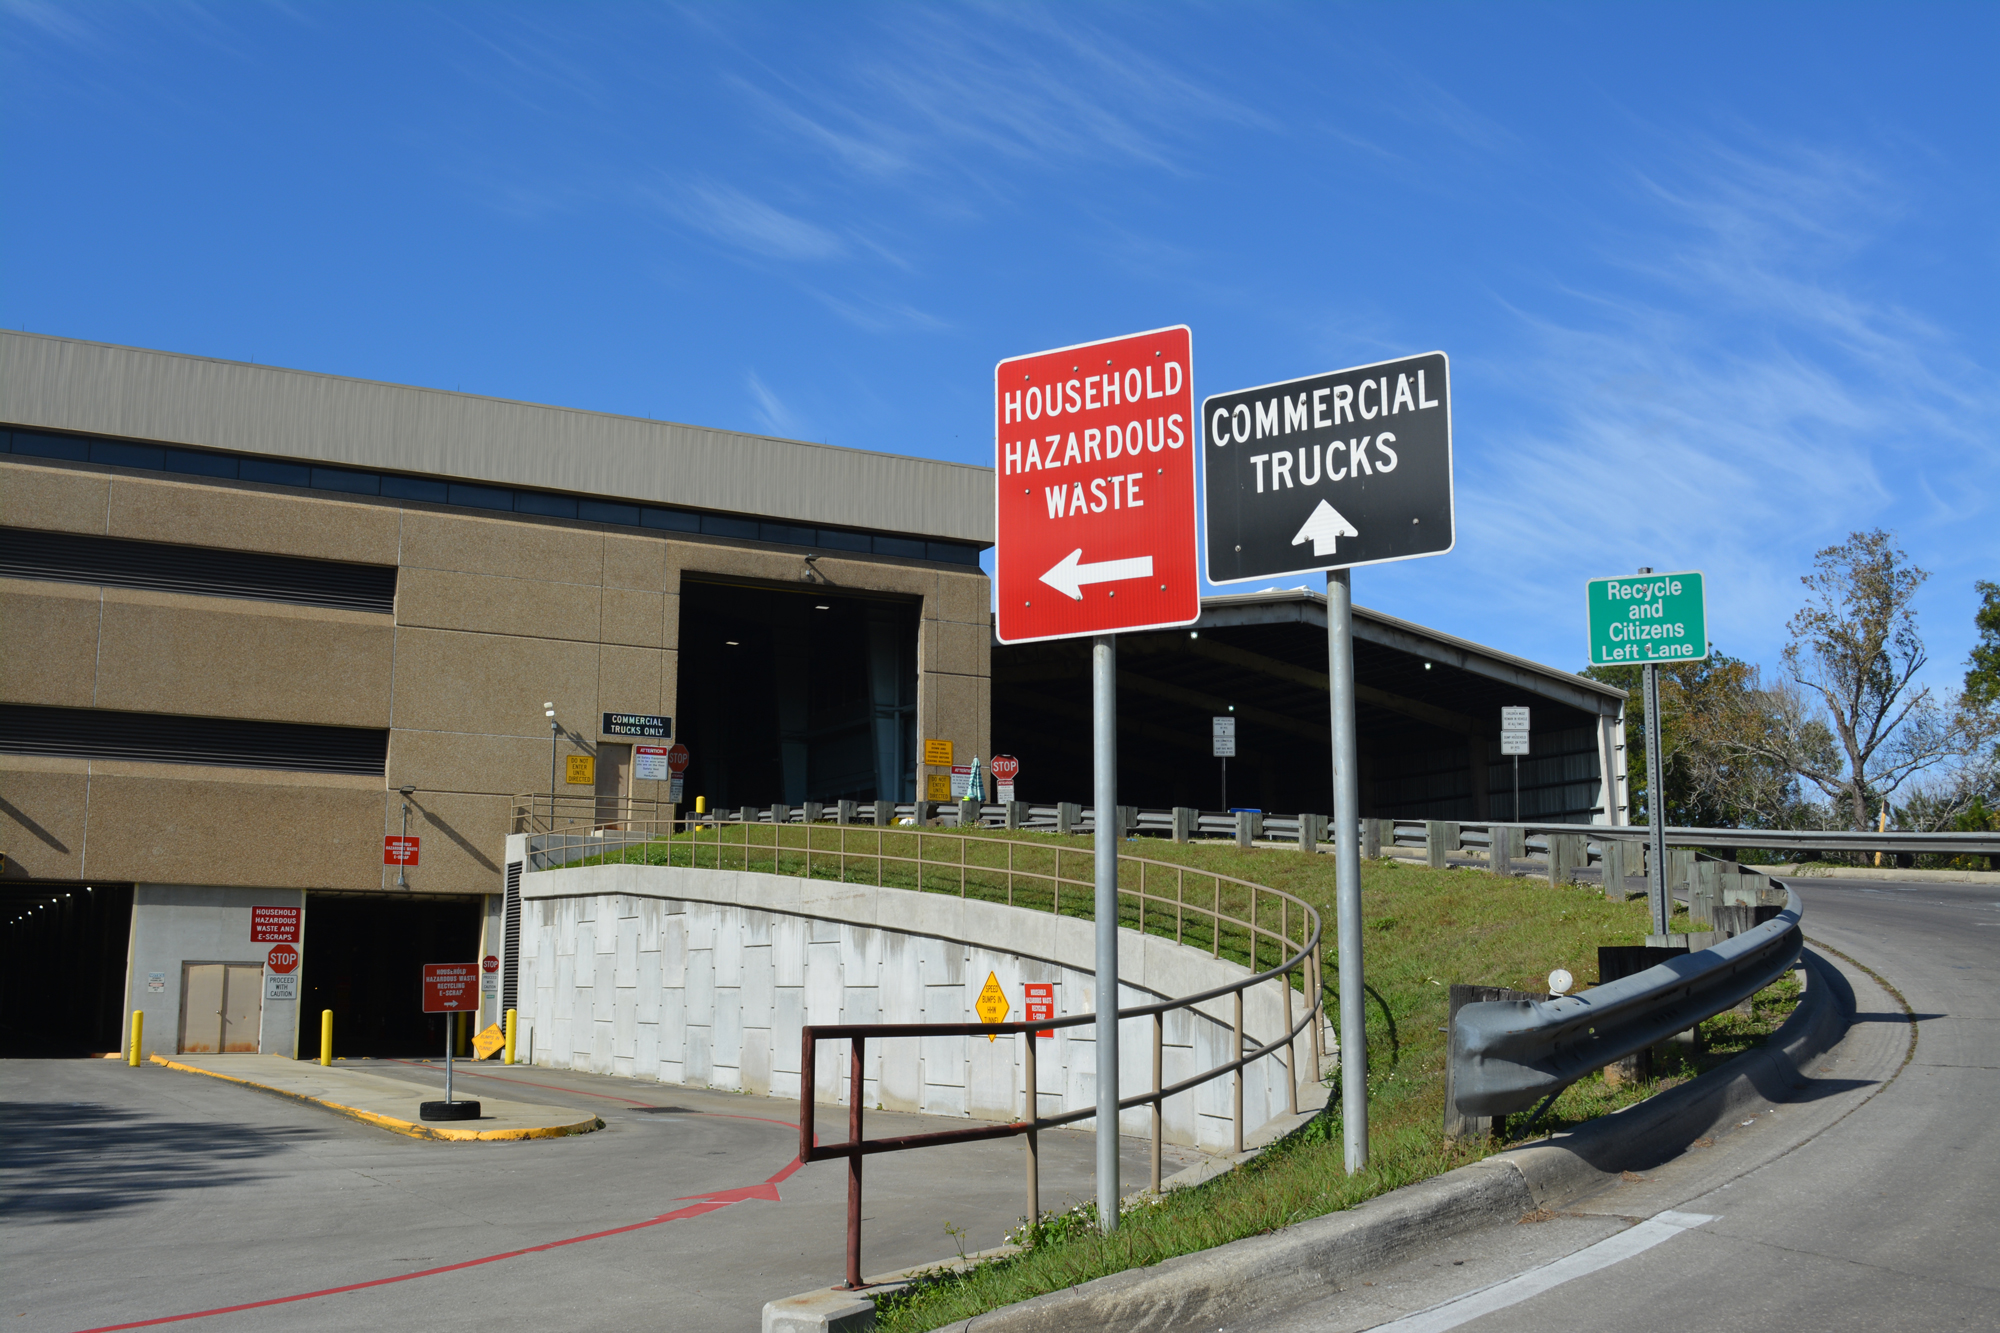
{"x": 610, "y": 843}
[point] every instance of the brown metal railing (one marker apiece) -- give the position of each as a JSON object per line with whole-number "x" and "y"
{"x": 1022, "y": 872}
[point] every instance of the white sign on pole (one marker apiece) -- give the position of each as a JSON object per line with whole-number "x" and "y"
{"x": 649, "y": 763}
{"x": 1513, "y": 742}
{"x": 1513, "y": 719}
{"x": 1224, "y": 737}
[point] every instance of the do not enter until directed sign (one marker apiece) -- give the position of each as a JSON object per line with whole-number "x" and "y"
{"x": 1347, "y": 468}
{"x": 1648, "y": 618}
{"x": 1094, "y": 481}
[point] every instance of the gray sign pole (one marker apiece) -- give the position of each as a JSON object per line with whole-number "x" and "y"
{"x": 1347, "y": 867}
{"x": 1104, "y": 765}
{"x": 1656, "y": 838}
{"x": 1656, "y": 802}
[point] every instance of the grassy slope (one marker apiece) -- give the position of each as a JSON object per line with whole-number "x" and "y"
{"x": 1425, "y": 929}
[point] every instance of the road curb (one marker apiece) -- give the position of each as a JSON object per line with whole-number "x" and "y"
{"x": 414, "y": 1129}
{"x": 1233, "y": 1282}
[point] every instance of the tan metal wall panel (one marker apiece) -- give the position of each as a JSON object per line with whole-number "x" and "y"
{"x": 64, "y": 384}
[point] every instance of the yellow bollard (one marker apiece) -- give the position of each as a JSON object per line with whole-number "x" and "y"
{"x": 701, "y": 805}
{"x": 326, "y": 1037}
{"x": 507, "y": 1056}
{"x": 138, "y": 1031}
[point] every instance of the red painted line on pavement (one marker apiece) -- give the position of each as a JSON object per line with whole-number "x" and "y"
{"x": 582, "y": 1092}
{"x": 679, "y": 1214}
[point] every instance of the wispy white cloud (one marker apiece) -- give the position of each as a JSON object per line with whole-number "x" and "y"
{"x": 736, "y": 218}
{"x": 1745, "y": 403}
{"x": 769, "y": 409}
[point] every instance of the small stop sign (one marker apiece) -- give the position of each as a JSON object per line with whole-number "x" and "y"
{"x": 677, "y": 758}
{"x": 282, "y": 959}
{"x": 489, "y": 963}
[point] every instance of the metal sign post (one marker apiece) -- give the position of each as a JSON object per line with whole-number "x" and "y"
{"x": 1094, "y": 497}
{"x": 1514, "y": 741}
{"x": 1650, "y": 619}
{"x": 1352, "y": 467}
{"x": 1222, "y": 732}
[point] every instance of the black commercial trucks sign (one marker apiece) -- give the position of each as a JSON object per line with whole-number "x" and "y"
{"x": 1347, "y": 468}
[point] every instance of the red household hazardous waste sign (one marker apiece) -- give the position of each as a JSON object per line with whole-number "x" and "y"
{"x": 1094, "y": 479}
{"x": 450, "y": 988}
{"x": 283, "y": 959}
{"x": 399, "y": 851}
{"x": 1041, "y": 997}
{"x": 274, "y": 925}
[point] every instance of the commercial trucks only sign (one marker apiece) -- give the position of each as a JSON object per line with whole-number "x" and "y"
{"x": 1094, "y": 477}
{"x": 1352, "y": 467}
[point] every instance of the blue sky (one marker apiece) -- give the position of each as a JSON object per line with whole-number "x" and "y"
{"x": 1717, "y": 281}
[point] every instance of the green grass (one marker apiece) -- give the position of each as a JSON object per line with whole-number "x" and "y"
{"x": 1424, "y": 930}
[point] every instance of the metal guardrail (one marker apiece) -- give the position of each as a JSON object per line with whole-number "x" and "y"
{"x": 1506, "y": 1055}
{"x": 531, "y": 815}
{"x": 1236, "y": 917}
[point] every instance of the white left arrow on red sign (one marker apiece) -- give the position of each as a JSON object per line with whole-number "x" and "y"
{"x": 1068, "y": 575}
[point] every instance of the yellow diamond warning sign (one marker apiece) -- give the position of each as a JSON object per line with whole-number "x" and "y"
{"x": 992, "y": 1004}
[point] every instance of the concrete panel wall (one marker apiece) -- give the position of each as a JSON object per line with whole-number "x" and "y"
{"x": 706, "y": 977}
{"x": 175, "y": 924}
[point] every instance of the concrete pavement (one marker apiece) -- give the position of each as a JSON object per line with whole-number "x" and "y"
{"x": 1867, "y": 1201}
{"x": 391, "y": 1098}
{"x": 144, "y": 1194}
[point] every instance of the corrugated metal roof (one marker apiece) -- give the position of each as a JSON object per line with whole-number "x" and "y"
{"x": 97, "y": 388}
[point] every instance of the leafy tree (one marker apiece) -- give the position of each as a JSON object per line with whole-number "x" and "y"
{"x": 1982, "y": 675}
{"x": 1709, "y": 782}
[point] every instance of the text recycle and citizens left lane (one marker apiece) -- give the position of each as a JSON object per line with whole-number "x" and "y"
{"x": 1094, "y": 479}
{"x": 1351, "y": 467}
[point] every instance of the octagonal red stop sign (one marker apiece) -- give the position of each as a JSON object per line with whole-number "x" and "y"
{"x": 282, "y": 959}
{"x": 1094, "y": 488}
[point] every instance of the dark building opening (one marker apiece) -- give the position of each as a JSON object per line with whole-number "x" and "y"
{"x": 62, "y": 990}
{"x": 788, "y": 696}
{"x": 363, "y": 958}
{"x": 1427, "y": 713}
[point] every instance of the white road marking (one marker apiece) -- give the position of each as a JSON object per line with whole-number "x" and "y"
{"x": 1615, "y": 1249}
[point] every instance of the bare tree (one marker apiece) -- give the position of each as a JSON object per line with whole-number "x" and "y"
{"x": 1852, "y": 719}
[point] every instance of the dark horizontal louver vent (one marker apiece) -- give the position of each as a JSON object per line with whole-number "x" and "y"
{"x": 69, "y": 557}
{"x": 159, "y": 738}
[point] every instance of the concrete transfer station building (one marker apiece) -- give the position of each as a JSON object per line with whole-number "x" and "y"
{"x": 245, "y": 610}
{"x": 253, "y": 620}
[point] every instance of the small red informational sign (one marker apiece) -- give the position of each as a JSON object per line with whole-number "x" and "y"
{"x": 677, "y": 758}
{"x": 274, "y": 925}
{"x": 399, "y": 851}
{"x": 1094, "y": 488}
{"x": 451, "y": 988}
{"x": 283, "y": 959}
{"x": 1041, "y": 1003}
{"x": 489, "y": 964}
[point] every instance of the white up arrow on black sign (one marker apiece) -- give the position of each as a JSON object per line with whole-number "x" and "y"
{"x": 1325, "y": 526}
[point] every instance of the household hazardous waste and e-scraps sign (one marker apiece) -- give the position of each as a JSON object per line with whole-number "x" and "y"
{"x": 451, "y": 988}
{"x": 274, "y": 925}
{"x": 1094, "y": 489}
{"x": 1348, "y": 468}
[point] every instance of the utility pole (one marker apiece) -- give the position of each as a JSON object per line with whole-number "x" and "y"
{"x": 1347, "y": 867}
{"x": 555, "y": 730}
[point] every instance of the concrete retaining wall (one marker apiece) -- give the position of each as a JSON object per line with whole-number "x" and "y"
{"x": 705, "y": 977}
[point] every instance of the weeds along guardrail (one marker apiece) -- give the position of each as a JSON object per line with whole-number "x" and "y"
{"x": 1274, "y": 934}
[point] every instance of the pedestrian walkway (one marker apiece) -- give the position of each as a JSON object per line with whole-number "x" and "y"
{"x": 386, "y": 1100}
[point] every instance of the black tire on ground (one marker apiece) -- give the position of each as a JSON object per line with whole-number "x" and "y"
{"x": 449, "y": 1111}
